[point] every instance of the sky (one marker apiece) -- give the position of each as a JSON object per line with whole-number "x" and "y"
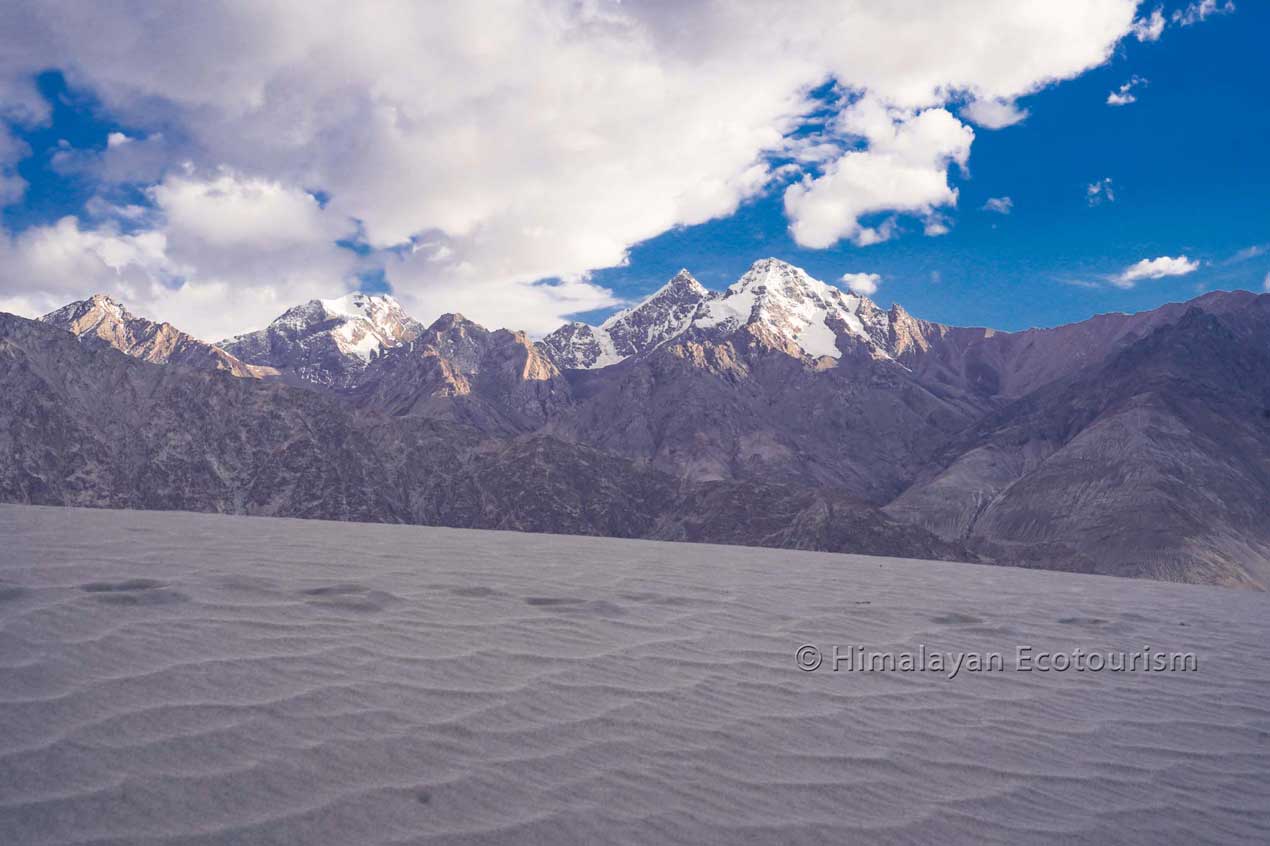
{"x": 1008, "y": 163}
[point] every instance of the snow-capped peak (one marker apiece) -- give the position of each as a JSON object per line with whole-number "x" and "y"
{"x": 783, "y": 299}
{"x": 787, "y": 301}
{"x": 371, "y": 322}
{"x": 361, "y": 306}
{"x": 328, "y": 341}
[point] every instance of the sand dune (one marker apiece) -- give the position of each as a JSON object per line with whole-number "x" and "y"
{"x": 195, "y": 679}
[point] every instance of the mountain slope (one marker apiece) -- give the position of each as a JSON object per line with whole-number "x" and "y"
{"x": 499, "y": 382}
{"x": 99, "y": 319}
{"x": 1003, "y": 366}
{"x": 85, "y": 425}
{"x": 743, "y": 408}
{"x": 780, "y": 378}
{"x": 779, "y": 411}
{"x": 1155, "y": 463}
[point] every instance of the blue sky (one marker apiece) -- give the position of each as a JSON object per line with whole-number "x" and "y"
{"x": 1182, "y": 169}
{"x": 1190, "y": 174}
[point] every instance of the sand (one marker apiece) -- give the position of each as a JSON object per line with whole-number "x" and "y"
{"x": 198, "y": 679}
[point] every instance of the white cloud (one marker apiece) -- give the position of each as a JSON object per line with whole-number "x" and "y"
{"x": 1156, "y": 268}
{"x": 232, "y": 211}
{"x": 862, "y": 284}
{"x": 224, "y": 254}
{"x": 1000, "y": 205}
{"x": 1102, "y": 191}
{"x": 1124, "y": 95}
{"x": 904, "y": 168}
{"x": 536, "y": 140}
{"x": 935, "y": 226}
{"x": 1265, "y": 284}
{"x": 993, "y": 114}
{"x": 45, "y": 267}
{"x": 1149, "y": 28}
{"x": 1247, "y": 253}
{"x": 1198, "y": 11}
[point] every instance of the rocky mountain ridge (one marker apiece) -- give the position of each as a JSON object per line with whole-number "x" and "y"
{"x": 87, "y": 425}
{"x": 101, "y": 320}
{"x": 1033, "y": 448}
{"x": 797, "y": 311}
{"x": 659, "y": 317}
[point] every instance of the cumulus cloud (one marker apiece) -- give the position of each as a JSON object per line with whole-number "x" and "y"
{"x": 935, "y": 226}
{"x": 904, "y": 168}
{"x": 862, "y": 284}
{"x": 993, "y": 114}
{"x": 233, "y": 211}
{"x": 1102, "y": 191}
{"x": 220, "y": 248}
{"x": 1156, "y": 268}
{"x": 482, "y": 148}
{"x": 1000, "y": 205}
{"x": 1124, "y": 95}
{"x": 1265, "y": 284}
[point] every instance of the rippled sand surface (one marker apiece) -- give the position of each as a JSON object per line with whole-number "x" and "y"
{"x": 195, "y": 679}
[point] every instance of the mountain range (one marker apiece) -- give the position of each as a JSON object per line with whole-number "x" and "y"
{"x": 781, "y": 411}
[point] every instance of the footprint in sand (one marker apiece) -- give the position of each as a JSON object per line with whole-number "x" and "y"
{"x": 349, "y": 597}
{"x": 570, "y": 605}
{"x": 133, "y": 592}
{"x": 9, "y": 592}
{"x": 955, "y": 619}
{"x": 474, "y": 591}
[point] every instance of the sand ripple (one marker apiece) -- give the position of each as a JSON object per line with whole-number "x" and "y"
{"x": 193, "y": 679}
